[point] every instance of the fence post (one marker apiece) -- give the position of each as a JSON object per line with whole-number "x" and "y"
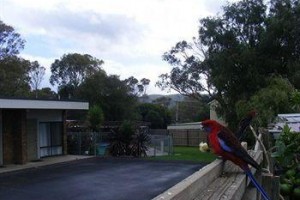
{"x": 162, "y": 145}
{"x": 187, "y": 138}
{"x": 170, "y": 143}
{"x": 94, "y": 138}
{"x": 155, "y": 147}
{"x": 79, "y": 135}
{"x": 271, "y": 185}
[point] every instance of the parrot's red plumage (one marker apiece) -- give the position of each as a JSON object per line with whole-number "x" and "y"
{"x": 225, "y": 144}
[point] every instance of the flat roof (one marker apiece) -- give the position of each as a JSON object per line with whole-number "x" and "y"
{"x": 42, "y": 104}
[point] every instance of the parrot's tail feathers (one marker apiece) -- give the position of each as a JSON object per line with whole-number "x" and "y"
{"x": 257, "y": 185}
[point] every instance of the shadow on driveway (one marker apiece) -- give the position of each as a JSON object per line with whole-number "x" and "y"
{"x": 95, "y": 178}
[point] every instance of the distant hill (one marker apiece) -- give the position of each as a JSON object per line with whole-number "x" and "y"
{"x": 152, "y": 97}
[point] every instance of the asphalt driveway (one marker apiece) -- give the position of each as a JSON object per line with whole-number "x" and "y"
{"x": 95, "y": 178}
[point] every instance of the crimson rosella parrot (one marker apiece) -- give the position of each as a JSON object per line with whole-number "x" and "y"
{"x": 225, "y": 144}
{"x": 244, "y": 123}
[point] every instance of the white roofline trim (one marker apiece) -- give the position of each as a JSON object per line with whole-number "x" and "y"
{"x": 42, "y": 104}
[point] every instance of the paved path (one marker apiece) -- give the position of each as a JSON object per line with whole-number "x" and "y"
{"x": 42, "y": 162}
{"x": 95, "y": 178}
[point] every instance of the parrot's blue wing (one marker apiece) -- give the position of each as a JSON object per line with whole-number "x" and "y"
{"x": 231, "y": 144}
{"x": 224, "y": 145}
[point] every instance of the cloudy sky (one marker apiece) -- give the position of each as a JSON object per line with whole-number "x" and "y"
{"x": 129, "y": 35}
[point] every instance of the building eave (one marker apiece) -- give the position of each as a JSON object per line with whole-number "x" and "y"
{"x": 42, "y": 104}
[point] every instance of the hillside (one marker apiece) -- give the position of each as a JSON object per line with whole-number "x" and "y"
{"x": 153, "y": 97}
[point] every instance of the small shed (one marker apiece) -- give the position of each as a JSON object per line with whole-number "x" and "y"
{"x": 33, "y": 129}
{"x": 292, "y": 120}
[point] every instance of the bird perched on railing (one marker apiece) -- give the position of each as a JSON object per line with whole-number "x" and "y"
{"x": 225, "y": 144}
{"x": 244, "y": 123}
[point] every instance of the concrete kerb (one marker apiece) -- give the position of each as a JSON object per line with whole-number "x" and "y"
{"x": 44, "y": 162}
{"x": 190, "y": 187}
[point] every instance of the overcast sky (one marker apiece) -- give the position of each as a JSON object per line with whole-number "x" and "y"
{"x": 129, "y": 35}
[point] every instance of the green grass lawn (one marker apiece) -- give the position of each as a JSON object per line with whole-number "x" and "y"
{"x": 187, "y": 154}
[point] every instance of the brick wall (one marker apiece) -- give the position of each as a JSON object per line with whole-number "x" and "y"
{"x": 14, "y": 136}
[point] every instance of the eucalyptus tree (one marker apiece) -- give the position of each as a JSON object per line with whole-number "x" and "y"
{"x": 234, "y": 54}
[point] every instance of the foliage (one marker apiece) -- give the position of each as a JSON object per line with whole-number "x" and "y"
{"x": 83, "y": 143}
{"x": 10, "y": 41}
{"x": 116, "y": 146}
{"x": 120, "y": 138}
{"x": 44, "y": 93}
{"x": 141, "y": 141}
{"x": 235, "y": 52}
{"x": 295, "y": 100}
{"x": 287, "y": 155}
{"x": 158, "y": 115}
{"x": 269, "y": 101}
{"x": 163, "y": 101}
{"x": 37, "y": 73}
{"x": 14, "y": 77}
{"x": 137, "y": 88}
{"x": 287, "y": 148}
{"x": 190, "y": 110}
{"x": 72, "y": 69}
{"x": 110, "y": 93}
{"x": 129, "y": 140}
{"x": 95, "y": 117}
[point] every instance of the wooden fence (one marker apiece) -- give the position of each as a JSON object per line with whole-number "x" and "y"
{"x": 188, "y": 137}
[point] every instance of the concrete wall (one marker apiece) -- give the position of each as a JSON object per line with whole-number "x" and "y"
{"x": 32, "y": 139}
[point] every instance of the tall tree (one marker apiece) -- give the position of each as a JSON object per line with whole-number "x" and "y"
{"x": 14, "y": 77}
{"x": 233, "y": 54}
{"x": 110, "y": 93}
{"x": 158, "y": 115}
{"x": 10, "y": 41}
{"x": 46, "y": 93}
{"x": 37, "y": 73}
{"x": 72, "y": 69}
{"x": 137, "y": 87}
{"x": 95, "y": 117}
{"x": 145, "y": 83}
{"x": 282, "y": 42}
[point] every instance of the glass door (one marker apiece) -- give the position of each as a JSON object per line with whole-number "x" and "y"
{"x": 50, "y": 138}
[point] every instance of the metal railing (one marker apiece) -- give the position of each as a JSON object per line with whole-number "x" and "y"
{"x": 160, "y": 145}
{"x": 87, "y": 143}
{"x": 96, "y": 144}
